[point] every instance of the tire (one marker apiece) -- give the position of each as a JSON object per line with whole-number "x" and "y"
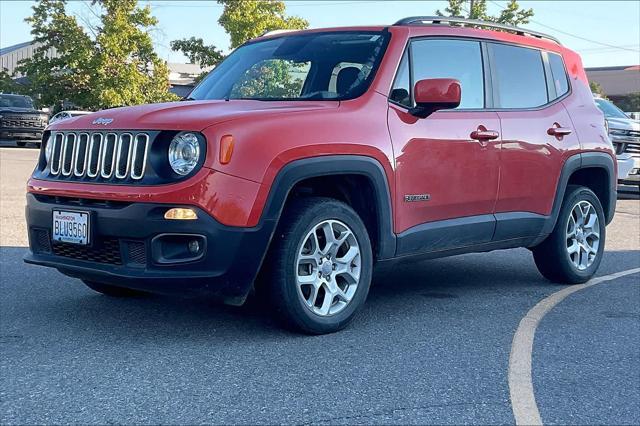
{"x": 336, "y": 276}
{"x": 570, "y": 255}
{"x": 21, "y": 144}
{"x": 113, "y": 291}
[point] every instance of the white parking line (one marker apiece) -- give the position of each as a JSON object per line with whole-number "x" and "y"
{"x": 523, "y": 401}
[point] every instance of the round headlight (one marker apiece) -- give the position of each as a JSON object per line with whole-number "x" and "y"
{"x": 48, "y": 149}
{"x": 184, "y": 153}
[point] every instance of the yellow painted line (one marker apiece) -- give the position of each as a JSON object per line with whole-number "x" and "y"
{"x": 523, "y": 400}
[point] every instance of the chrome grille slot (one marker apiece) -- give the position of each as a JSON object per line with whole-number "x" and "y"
{"x": 56, "y": 153}
{"x": 108, "y": 155}
{"x": 95, "y": 150}
{"x": 123, "y": 159}
{"x": 139, "y": 156}
{"x": 80, "y": 157}
{"x": 99, "y": 156}
{"x": 68, "y": 150}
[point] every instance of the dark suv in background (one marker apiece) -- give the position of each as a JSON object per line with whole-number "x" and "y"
{"x": 19, "y": 120}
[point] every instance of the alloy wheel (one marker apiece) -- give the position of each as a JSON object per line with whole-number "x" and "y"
{"x": 583, "y": 235}
{"x": 328, "y": 266}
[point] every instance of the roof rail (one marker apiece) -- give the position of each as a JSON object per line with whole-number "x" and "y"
{"x": 445, "y": 20}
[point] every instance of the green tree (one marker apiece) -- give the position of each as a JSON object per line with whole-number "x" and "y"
{"x": 114, "y": 66}
{"x": 596, "y": 89}
{"x": 7, "y": 84}
{"x": 247, "y": 19}
{"x": 197, "y": 52}
{"x": 244, "y": 20}
{"x": 512, "y": 14}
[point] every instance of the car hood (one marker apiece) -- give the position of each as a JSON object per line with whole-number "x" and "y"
{"x": 187, "y": 115}
{"x": 623, "y": 124}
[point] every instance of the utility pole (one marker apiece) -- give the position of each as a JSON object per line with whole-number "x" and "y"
{"x": 470, "y": 7}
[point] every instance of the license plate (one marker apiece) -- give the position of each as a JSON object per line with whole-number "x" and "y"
{"x": 71, "y": 227}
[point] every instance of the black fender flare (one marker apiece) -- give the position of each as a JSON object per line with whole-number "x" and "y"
{"x": 574, "y": 163}
{"x": 331, "y": 165}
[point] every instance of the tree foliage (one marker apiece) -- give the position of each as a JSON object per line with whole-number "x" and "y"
{"x": 247, "y": 19}
{"x": 512, "y": 14}
{"x": 114, "y": 66}
{"x": 197, "y": 52}
{"x": 596, "y": 89}
{"x": 242, "y": 20}
{"x": 7, "y": 84}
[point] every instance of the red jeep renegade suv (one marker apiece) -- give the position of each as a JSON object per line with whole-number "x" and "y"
{"x": 306, "y": 157}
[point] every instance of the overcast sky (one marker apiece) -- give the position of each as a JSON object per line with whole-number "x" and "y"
{"x": 605, "y": 33}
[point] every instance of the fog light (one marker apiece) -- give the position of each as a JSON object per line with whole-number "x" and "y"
{"x": 180, "y": 214}
{"x": 194, "y": 246}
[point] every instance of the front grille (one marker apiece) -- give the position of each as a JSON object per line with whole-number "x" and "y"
{"x": 22, "y": 121}
{"x": 97, "y": 155}
{"x": 136, "y": 252}
{"x": 106, "y": 250}
{"x": 40, "y": 242}
{"x": 81, "y": 202}
{"x": 632, "y": 148}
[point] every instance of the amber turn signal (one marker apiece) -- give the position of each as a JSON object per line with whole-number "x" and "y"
{"x": 180, "y": 214}
{"x": 226, "y": 149}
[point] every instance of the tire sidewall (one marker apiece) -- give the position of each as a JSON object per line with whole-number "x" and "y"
{"x": 307, "y": 319}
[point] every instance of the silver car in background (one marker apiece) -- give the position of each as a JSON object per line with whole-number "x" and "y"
{"x": 624, "y": 132}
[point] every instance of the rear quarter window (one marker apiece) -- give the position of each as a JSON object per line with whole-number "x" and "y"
{"x": 558, "y": 74}
{"x": 518, "y": 77}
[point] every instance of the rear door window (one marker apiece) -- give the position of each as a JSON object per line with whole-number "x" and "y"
{"x": 518, "y": 76}
{"x": 458, "y": 59}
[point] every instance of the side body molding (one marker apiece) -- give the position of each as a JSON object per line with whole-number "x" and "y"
{"x": 368, "y": 167}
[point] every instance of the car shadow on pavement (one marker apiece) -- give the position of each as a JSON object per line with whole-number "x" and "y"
{"x": 399, "y": 293}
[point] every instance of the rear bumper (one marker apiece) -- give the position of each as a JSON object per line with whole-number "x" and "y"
{"x": 125, "y": 249}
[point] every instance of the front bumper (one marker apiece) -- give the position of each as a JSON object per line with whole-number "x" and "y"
{"x": 124, "y": 251}
{"x": 628, "y": 169}
{"x": 21, "y": 133}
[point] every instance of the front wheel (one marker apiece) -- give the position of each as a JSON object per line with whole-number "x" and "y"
{"x": 21, "y": 144}
{"x": 572, "y": 253}
{"x": 319, "y": 267}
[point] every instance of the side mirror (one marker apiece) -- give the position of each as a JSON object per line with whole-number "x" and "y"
{"x": 434, "y": 94}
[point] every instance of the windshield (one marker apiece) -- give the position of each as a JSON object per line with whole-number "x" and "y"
{"x": 330, "y": 65}
{"x": 15, "y": 101}
{"x": 610, "y": 110}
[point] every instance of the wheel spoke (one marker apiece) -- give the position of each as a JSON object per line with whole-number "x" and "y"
{"x": 313, "y": 295}
{"x": 327, "y": 302}
{"x": 329, "y": 237}
{"x": 349, "y": 256}
{"x": 307, "y": 279}
{"x": 591, "y": 221}
{"x": 574, "y": 247}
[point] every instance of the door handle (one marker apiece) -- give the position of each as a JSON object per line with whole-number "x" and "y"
{"x": 483, "y": 134}
{"x": 558, "y": 131}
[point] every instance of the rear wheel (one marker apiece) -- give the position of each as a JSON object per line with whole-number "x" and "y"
{"x": 318, "y": 270}
{"x": 113, "y": 291}
{"x": 21, "y": 144}
{"x": 574, "y": 250}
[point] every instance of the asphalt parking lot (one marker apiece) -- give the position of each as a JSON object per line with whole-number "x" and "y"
{"x": 432, "y": 344}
